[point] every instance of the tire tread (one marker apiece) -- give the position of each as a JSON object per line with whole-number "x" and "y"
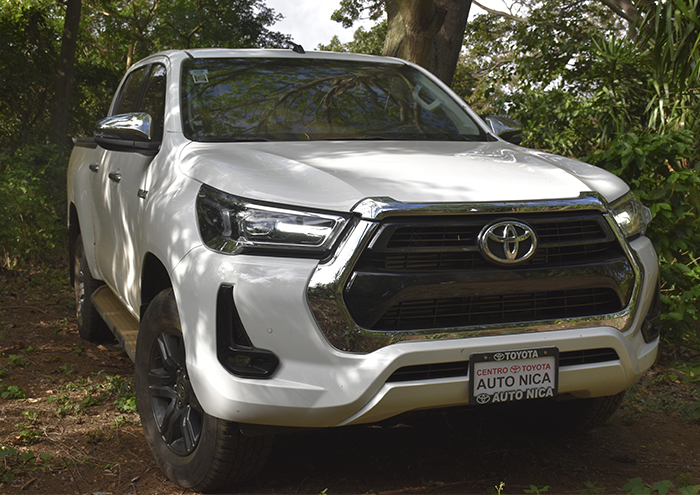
{"x": 236, "y": 459}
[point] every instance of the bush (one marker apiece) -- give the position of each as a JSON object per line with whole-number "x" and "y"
{"x": 658, "y": 168}
{"x": 32, "y": 206}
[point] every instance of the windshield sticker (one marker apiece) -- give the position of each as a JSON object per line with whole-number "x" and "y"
{"x": 200, "y": 76}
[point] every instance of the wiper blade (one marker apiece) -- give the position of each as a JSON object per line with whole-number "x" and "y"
{"x": 446, "y": 137}
{"x": 371, "y": 137}
{"x": 232, "y": 139}
{"x": 405, "y": 137}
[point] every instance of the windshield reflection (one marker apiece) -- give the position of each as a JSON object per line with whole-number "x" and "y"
{"x": 250, "y": 99}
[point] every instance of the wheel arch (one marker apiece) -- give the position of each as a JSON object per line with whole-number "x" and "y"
{"x": 154, "y": 279}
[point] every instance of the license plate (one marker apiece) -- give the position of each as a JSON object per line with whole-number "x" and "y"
{"x": 511, "y": 376}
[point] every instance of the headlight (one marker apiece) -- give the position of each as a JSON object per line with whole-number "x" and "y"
{"x": 229, "y": 224}
{"x": 631, "y": 215}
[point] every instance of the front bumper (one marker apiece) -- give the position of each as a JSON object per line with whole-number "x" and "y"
{"x": 317, "y": 385}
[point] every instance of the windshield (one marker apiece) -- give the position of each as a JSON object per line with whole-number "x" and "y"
{"x": 249, "y": 99}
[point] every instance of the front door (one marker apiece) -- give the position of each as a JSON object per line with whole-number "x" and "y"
{"x": 123, "y": 178}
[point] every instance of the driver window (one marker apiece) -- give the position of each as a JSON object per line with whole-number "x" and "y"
{"x": 128, "y": 99}
{"x": 153, "y": 101}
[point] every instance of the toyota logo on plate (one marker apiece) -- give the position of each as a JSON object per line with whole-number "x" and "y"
{"x": 507, "y": 242}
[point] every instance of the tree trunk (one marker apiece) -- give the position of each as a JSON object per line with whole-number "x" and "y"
{"x": 428, "y": 33}
{"x": 65, "y": 79}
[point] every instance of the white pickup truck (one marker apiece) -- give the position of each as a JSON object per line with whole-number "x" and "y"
{"x": 288, "y": 239}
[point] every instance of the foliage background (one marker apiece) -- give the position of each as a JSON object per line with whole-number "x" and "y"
{"x": 113, "y": 34}
{"x": 620, "y": 95}
{"x": 618, "y": 92}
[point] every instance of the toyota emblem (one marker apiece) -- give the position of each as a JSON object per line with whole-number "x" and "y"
{"x": 507, "y": 242}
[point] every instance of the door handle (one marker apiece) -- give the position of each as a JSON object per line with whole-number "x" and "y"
{"x": 94, "y": 167}
{"x": 115, "y": 176}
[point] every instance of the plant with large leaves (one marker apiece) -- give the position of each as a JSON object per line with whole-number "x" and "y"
{"x": 658, "y": 169}
{"x": 672, "y": 32}
{"x": 626, "y": 103}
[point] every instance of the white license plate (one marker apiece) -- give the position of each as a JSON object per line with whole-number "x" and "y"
{"x": 511, "y": 376}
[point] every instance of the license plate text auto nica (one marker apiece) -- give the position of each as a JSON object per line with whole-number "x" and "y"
{"x": 509, "y": 376}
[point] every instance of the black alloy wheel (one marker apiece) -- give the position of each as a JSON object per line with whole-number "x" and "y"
{"x": 176, "y": 411}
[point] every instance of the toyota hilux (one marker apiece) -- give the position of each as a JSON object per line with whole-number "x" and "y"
{"x": 281, "y": 239}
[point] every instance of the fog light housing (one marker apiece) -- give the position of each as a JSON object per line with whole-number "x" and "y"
{"x": 234, "y": 349}
{"x": 651, "y": 326}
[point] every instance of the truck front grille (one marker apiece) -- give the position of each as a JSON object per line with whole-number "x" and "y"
{"x": 439, "y": 244}
{"x": 428, "y": 273}
{"x": 504, "y": 308}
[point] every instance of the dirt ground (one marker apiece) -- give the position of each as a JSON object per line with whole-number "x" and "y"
{"x": 67, "y": 425}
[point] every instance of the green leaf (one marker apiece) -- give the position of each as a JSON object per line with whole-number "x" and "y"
{"x": 535, "y": 489}
{"x": 591, "y": 488}
{"x": 7, "y": 451}
{"x": 636, "y": 486}
{"x": 663, "y": 487}
{"x": 27, "y": 455}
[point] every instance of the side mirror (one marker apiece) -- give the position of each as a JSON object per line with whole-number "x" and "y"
{"x": 505, "y": 128}
{"x": 127, "y": 132}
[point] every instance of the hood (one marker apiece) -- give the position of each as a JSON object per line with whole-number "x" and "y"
{"x": 337, "y": 175}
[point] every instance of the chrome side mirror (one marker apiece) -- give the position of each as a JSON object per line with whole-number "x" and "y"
{"x": 505, "y": 128}
{"x": 127, "y": 132}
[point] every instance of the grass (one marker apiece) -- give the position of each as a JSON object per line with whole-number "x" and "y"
{"x": 77, "y": 396}
{"x": 18, "y": 462}
{"x": 635, "y": 486}
{"x": 672, "y": 390}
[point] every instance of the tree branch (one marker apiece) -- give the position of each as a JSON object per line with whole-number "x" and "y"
{"x": 615, "y": 8}
{"x": 502, "y": 14}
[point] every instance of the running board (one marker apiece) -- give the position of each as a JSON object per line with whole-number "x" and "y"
{"x": 119, "y": 320}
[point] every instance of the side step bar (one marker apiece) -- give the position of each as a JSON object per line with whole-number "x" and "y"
{"x": 120, "y": 321}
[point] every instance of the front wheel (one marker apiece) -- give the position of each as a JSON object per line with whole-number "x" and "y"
{"x": 581, "y": 415}
{"x": 571, "y": 417}
{"x": 192, "y": 448}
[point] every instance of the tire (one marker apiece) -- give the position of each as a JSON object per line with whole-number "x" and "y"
{"x": 573, "y": 417}
{"x": 590, "y": 413}
{"x": 193, "y": 449}
{"x": 91, "y": 326}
